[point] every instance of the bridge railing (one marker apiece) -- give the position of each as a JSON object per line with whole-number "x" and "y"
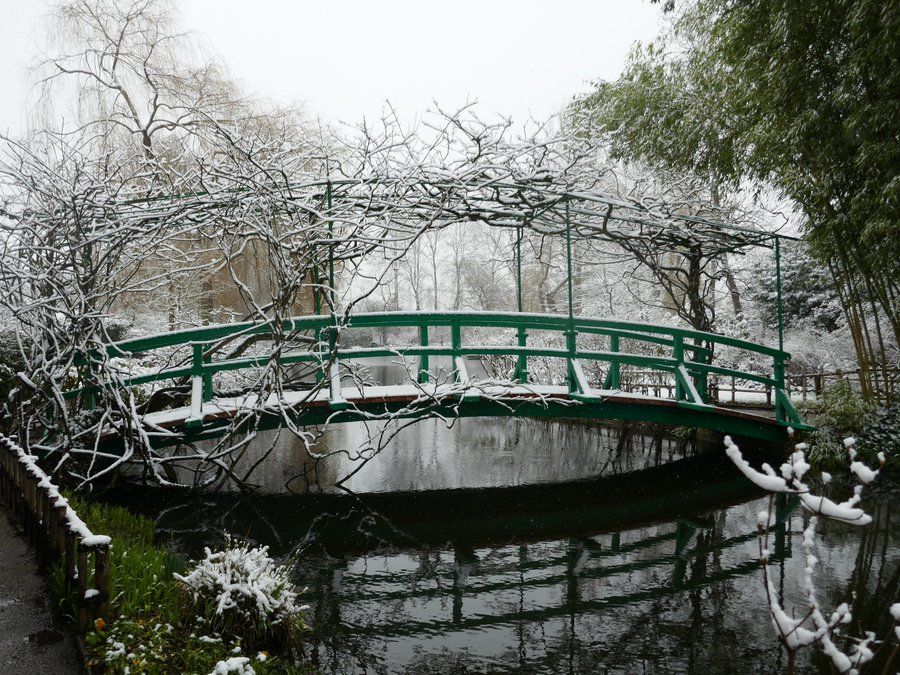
{"x": 683, "y": 353}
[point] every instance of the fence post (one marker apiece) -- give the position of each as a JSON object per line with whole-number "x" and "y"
{"x": 101, "y": 580}
{"x": 71, "y": 561}
{"x": 59, "y": 512}
{"x": 701, "y": 380}
{"x": 81, "y": 588}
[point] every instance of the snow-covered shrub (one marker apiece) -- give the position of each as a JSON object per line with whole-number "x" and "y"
{"x": 841, "y": 408}
{"x": 840, "y": 412}
{"x": 241, "y": 592}
{"x": 881, "y": 434}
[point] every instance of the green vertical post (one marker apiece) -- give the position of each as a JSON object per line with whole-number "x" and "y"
{"x": 570, "y": 333}
{"x": 521, "y": 373}
{"x": 612, "y": 377}
{"x": 778, "y": 293}
{"x": 331, "y": 289}
{"x": 197, "y": 368}
{"x": 332, "y": 295}
{"x": 678, "y": 355}
{"x": 423, "y": 360}
{"x": 569, "y": 262}
{"x": 778, "y": 376}
{"x": 207, "y": 380}
{"x": 455, "y": 347}
{"x": 779, "y": 362}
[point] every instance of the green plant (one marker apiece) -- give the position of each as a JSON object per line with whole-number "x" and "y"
{"x": 148, "y": 646}
{"x": 140, "y": 573}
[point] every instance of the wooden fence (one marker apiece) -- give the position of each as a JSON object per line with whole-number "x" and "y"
{"x": 56, "y": 531}
{"x": 807, "y": 385}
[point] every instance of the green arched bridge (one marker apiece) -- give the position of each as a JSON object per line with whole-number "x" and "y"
{"x": 686, "y": 357}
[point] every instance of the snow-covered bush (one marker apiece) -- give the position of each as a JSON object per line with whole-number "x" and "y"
{"x": 840, "y": 412}
{"x": 241, "y": 592}
{"x": 881, "y": 434}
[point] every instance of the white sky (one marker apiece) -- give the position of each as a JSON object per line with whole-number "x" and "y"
{"x": 343, "y": 59}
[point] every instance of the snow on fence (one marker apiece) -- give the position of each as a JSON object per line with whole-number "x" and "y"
{"x": 56, "y": 531}
{"x": 809, "y": 384}
{"x": 804, "y": 385}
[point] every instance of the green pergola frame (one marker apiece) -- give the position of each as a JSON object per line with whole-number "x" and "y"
{"x": 549, "y": 211}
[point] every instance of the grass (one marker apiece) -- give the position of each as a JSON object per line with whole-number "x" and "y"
{"x": 154, "y": 625}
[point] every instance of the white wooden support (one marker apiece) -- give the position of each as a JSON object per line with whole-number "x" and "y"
{"x": 688, "y": 384}
{"x": 336, "y": 399}
{"x": 195, "y": 418}
{"x": 462, "y": 373}
{"x": 462, "y": 377}
{"x": 582, "y": 387}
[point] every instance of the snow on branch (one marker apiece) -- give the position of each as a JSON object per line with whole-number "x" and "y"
{"x": 814, "y": 626}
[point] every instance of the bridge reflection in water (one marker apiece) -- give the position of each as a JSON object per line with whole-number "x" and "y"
{"x": 647, "y": 557}
{"x": 534, "y": 598}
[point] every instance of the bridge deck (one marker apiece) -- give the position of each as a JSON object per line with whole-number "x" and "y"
{"x": 418, "y": 400}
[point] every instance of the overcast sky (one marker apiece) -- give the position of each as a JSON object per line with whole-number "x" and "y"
{"x": 343, "y": 59}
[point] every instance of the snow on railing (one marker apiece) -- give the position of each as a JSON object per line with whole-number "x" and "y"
{"x": 56, "y": 530}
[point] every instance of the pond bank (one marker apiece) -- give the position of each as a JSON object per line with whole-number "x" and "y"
{"x": 33, "y": 638}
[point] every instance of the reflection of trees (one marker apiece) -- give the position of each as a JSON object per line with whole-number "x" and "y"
{"x": 875, "y": 579}
{"x": 434, "y": 454}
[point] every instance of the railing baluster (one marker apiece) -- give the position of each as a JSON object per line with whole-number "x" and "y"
{"x": 678, "y": 355}
{"x": 207, "y": 379}
{"x": 571, "y": 347}
{"x": 423, "y": 359}
{"x": 195, "y": 416}
{"x": 521, "y": 373}
{"x": 778, "y": 376}
{"x": 612, "y": 377}
{"x": 455, "y": 346}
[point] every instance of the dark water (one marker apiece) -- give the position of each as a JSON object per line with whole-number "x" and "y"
{"x": 515, "y": 545}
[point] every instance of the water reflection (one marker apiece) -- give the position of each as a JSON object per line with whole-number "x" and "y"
{"x": 462, "y": 453}
{"x": 638, "y": 556}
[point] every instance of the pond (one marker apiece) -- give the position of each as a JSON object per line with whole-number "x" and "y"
{"x": 529, "y": 546}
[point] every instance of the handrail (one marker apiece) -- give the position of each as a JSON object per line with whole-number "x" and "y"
{"x": 534, "y": 321}
{"x": 689, "y": 363}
